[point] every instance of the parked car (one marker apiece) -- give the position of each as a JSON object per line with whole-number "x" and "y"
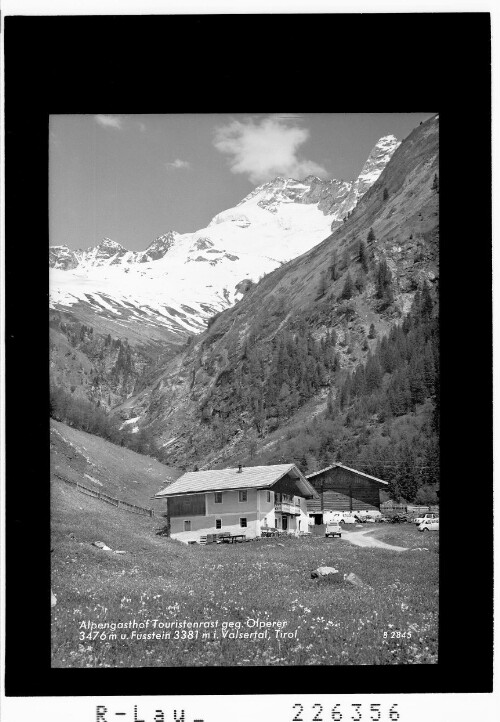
{"x": 425, "y": 517}
{"x": 349, "y": 520}
{"x": 333, "y": 530}
{"x": 429, "y": 525}
{"x": 399, "y": 518}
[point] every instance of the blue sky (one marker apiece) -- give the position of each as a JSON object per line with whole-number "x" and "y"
{"x": 134, "y": 177}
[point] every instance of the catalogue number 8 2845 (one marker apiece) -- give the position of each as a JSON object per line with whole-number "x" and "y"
{"x": 354, "y": 712}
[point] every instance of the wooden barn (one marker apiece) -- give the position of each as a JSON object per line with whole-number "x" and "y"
{"x": 343, "y": 489}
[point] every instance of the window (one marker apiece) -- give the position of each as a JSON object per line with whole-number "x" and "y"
{"x": 242, "y": 496}
{"x": 187, "y": 526}
{"x": 243, "y": 522}
{"x": 218, "y": 497}
{"x": 269, "y": 496}
{"x": 218, "y": 523}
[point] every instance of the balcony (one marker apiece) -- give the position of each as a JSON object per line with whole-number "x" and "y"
{"x": 285, "y": 507}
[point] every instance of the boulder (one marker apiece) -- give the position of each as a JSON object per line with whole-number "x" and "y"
{"x": 355, "y": 580}
{"x": 323, "y": 572}
{"x": 53, "y": 599}
{"x": 101, "y": 545}
{"x": 119, "y": 551}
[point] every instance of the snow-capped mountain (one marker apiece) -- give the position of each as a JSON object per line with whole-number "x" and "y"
{"x": 375, "y": 164}
{"x": 181, "y": 280}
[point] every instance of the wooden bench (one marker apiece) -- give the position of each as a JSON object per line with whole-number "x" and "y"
{"x": 269, "y": 531}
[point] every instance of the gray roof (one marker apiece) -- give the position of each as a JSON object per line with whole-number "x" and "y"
{"x": 251, "y": 477}
{"x": 342, "y": 466}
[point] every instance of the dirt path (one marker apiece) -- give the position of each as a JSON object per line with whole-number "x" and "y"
{"x": 361, "y": 539}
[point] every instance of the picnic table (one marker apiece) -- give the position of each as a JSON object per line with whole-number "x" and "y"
{"x": 233, "y": 538}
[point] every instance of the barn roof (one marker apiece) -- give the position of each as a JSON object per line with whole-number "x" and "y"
{"x": 251, "y": 477}
{"x": 342, "y": 466}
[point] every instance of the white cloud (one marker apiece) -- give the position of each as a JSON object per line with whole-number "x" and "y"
{"x": 109, "y": 121}
{"x": 266, "y": 148}
{"x": 178, "y": 163}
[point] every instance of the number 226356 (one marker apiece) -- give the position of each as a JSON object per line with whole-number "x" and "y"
{"x": 339, "y": 712}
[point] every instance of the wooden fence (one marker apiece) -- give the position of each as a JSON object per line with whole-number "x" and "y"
{"x": 119, "y": 503}
{"x": 388, "y": 507}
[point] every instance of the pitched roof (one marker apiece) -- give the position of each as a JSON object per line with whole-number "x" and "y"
{"x": 251, "y": 477}
{"x": 342, "y": 466}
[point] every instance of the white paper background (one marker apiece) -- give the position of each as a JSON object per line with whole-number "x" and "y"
{"x": 265, "y": 708}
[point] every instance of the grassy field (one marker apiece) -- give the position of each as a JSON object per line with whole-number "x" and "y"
{"x": 161, "y": 579}
{"x": 100, "y": 465}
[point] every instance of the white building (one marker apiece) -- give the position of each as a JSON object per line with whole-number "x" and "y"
{"x": 243, "y": 500}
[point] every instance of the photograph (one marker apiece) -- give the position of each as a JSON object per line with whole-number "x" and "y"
{"x": 244, "y": 373}
{"x": 266, "y": 370}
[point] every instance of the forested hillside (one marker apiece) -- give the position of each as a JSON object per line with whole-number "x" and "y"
{"x": 383, "y": 417}
{"x": 97, "y": 367}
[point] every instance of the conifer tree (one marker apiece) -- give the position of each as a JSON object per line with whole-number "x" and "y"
{"x": 330, "y": 404}
{"x": 383, "y": 282}
{"x": 363, "y": 256}
{"x": 348, "y": 288}
{"x": 371, "y": 236}
{"x": 322, "y": 286}
{"x": 435, "y": 183}
{"x": 385, "y": 194}
{"x": 360, "y": 283}
{"x": 372, "y": 333}
{"x": 425, "y": 301}
{"x": 334, "y": 267}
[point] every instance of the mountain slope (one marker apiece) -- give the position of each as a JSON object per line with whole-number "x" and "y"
{"x": 202, "y": 408}
{"x": 114, "y": 470}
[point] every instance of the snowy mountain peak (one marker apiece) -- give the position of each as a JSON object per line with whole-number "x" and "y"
{"x": 62, "y": 257}
{"x": 109, "y": 243}
{"x": 159, "y": 247}
{"x": 379, "y": 156}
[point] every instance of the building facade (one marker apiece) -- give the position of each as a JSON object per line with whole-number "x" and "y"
{"x": 245, "y": 501}
{"x": 342, "y": 489}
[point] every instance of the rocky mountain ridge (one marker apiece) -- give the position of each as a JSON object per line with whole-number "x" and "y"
{"x": 206, "y": 392}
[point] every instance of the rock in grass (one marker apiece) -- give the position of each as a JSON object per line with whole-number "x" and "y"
{"x": 101, "y": 545}
{"x": 119, "y": 551}
{"x": 53, "y": 599}
{"x": 280, "y": 544}
{"x": 355, "y": 580}
{"x": 323, "y": 572}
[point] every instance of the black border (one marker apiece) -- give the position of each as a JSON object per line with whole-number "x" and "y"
{"x": 256, "y": 63}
